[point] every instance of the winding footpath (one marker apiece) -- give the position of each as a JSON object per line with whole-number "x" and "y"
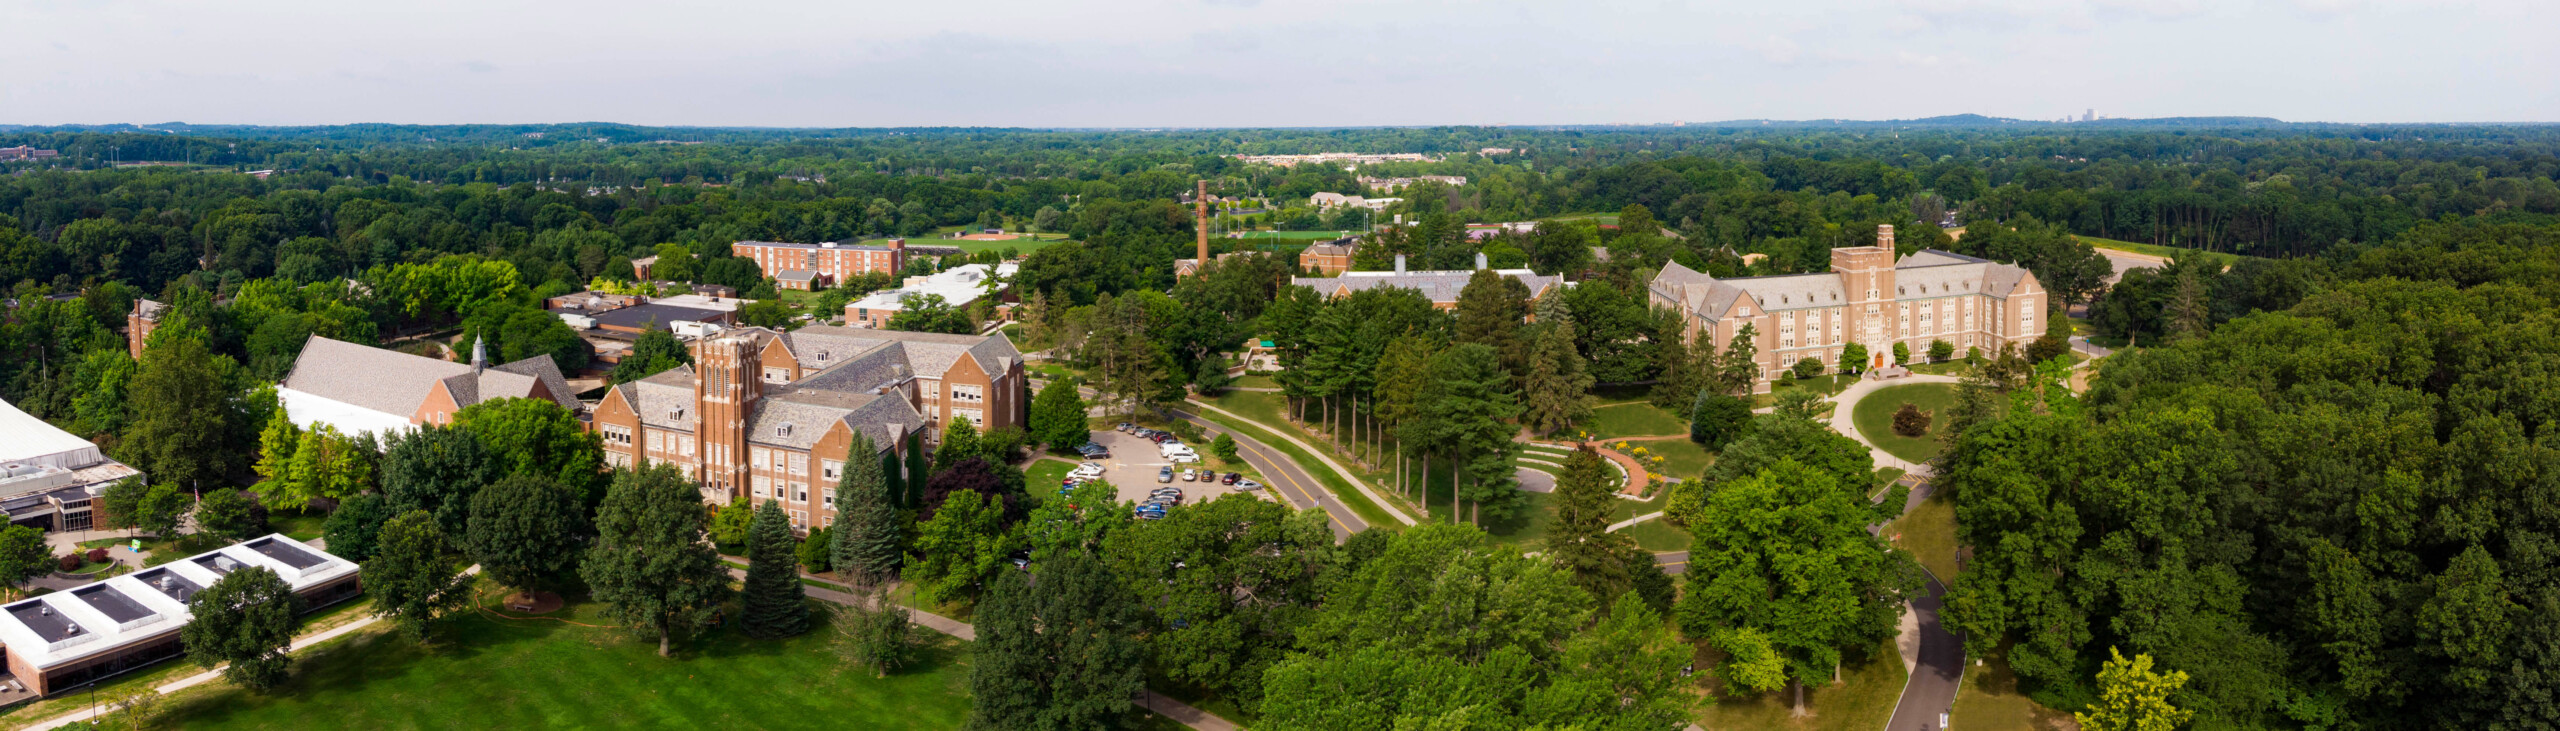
{"x": 1844, "y": 417}
{"x": 1933, "y": 654}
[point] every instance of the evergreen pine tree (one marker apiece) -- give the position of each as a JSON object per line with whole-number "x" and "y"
{"x": 776, "y": 606}
{"x": 1579, "y": 540}
{"x": 917, "y": 475}
{"x": 1558, "y": 388}
{"x": 893, "y": 482}
{"x": 866, "y": 530}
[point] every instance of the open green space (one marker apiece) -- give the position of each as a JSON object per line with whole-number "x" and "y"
{"x": 1863, "y": 699}
{"x": 1632, "y": 508}
{"x": 2172, "y": 252}
{"x": 573, "y": 669}
{"x": 1874, "y": 418}
{"x": 1046, "y": 474}
{"x": 162, "y": 672}
{"x": 1825, "y": 386}
{"x": 1292, "y": 235}
{"x": 1681, "y": 458}
{"x": 1027, "y": 244}
{"x": 1526, "y": 528}
{"x": 1659, "y": 536}
{"x": 1929, "y": 533}
{"x": 1633, "y": 419}
{"x": 1989, "y": 699}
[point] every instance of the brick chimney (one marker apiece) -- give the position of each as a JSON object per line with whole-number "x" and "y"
{"x": 1200, "y": 214}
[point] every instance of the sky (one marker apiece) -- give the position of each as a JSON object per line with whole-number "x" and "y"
{"x": 1269, "y": 63}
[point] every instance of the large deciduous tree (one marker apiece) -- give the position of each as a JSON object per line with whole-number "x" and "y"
{"x": 436, "y": 469}
{"x": 1785, "y": 553}
{"x": 531, "y": 436}
{"x": 1059, "y": 653}
{"x": 413, "y": 577}
{"x": 246, "y": 619}
{"x": 527, "y": 532}
{"x": 649, "y": 564}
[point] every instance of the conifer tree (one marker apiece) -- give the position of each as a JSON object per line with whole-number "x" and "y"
{"x": 1579, "y": 540}
{"x": 893, "y": 482}
{"x": 1558, "y": 387}
{"x": 866, "y": 531}
{"x": 917, "y": 475}
{"x": 776, "y": 605}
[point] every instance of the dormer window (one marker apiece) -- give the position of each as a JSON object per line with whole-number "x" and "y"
{"x": 782, "y": 430}
{"x": 1901, "y": 290}
{"x": 676, "y": 413}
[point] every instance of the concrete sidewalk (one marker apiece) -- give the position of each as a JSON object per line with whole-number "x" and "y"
{"x": 1845, "y": 404}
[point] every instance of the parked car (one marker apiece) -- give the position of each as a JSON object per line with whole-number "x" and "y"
{"x": 1167, "y": 438}
{"x": 1124, "y": 427}
{"x": 1150, "y": 512}
{"x": 1231, "y": 478}
{"x": 1248, "y": 485}
{"x": 1185, "y": 457}
{"x": 1088, "y": 469}
{"x": 1187, "y": 476}
{"x": 1164, "y": 474}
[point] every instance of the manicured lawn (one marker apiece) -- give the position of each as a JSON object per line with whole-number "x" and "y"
{"x": 1681, "y": 458}
{"x": 1659, "y": 536}
{"x": 1929, "y": 533}
{"x": 1300, "y": 236}
{"x": 164, "y": 671}
{"x": 1989, "y": 699}
{"x": 1632, "y": 508}
{"x": 1862, "y": 700}
{"x": 1827, "y": 386}
{"x": 547, "y": 672}
{"x": 1043, "y": 476}
{"x": 1525, "y": 529}
{"x": 1256, "y": 382}
{"x": 1634, "y": 419}
{"x": 300, "y": 525}
{"x": 1875, "y": 418}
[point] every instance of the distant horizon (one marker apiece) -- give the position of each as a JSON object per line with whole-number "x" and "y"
{"x": 2194, "y": 121}
{"x": 1250, "y": 64}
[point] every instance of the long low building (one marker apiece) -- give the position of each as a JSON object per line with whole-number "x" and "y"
{"x": 356, "y": 389}
{"x": 64, "y": 640}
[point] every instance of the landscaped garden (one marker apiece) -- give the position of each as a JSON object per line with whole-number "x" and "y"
{"x": 1875, "y": 415}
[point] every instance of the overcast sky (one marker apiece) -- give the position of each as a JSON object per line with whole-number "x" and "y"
{"x": 1252, "y": 63}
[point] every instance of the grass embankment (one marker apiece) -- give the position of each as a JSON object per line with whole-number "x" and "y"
{"x": 1631, "y": 419}
{"x": 1262, "y": 410}
{"x": 1874, "y": 418}
{"x": 2173, "y": 252}
{"x": 1929, "y": 533}
{"x": 572, "y": 668}
{"x": 1863, "y": 699}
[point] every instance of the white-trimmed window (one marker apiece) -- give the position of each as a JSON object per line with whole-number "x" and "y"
{"x": 832, "y": 469}
{"x": 830, "y": 495}
{"x": 657, "y": 441}
{"x": 799, "y": 464}
{"x": 617, "y": 434}
{"x": 763, "y": 485}
{"x": 761, "y": 456}
{"x": 800, "y": 495}
{"x": 976, "y": 417}
{"x": 968, "y": 393}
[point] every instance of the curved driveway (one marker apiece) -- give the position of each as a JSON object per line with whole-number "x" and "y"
{"x": 1284, "y": 477}
{"x": 1844, "y": 420}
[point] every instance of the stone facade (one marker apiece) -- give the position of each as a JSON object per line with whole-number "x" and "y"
{"x": 767, "y": 415}
{"x": 1869, "y": 297}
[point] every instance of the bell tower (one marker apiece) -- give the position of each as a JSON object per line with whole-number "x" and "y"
{"x": 725, "y": 390}
{"x": 1867, "y": 273}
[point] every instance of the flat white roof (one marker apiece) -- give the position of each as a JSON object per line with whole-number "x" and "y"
{"x": 306, "y": 409}
{"x": 63, "y": 626}
{"x": 25, "y": 438}
{"x": 958, "y": 285}
{"x": 699, "y": 302}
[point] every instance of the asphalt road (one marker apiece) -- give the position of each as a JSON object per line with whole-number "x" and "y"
{"x": 1932, "y": 688}
{"x": 1284, "y": 478}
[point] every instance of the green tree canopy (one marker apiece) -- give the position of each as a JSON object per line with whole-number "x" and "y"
{"x": 649, "y": 563}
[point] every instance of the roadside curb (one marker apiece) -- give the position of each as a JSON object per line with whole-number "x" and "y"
{"x": 1362, "y": 485}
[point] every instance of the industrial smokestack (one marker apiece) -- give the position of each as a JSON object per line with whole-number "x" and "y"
{"x": 1200, "y": 227}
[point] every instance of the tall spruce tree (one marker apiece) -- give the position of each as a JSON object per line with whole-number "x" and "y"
{"x": 866, "y": 532}
{"x": 917, "y": 475}
{"x": 776, "y": 605}
{"x": 893, "y": 481}
{"x": 1579, "y": 540}
{"x": 1557, "y": 391}
{"x": 650, "y": 564}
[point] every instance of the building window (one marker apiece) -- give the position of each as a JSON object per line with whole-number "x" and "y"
{"x": 968, "y": 394}
{"x": 759, "y": 454}
{"x": 831, "y": 497}
{"x": 799, "y": 464}
{"x": 617, "y": 434}
{"x": 657, "y": 441}
{"x": 803, "y": 494}
{"x": 831, "y": 469}
{"x": 762, "y": 483}
{"x": 976, "y": 417}
{"x": 777, "y": 375}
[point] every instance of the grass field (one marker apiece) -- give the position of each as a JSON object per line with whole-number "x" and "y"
{"x": 571, "y": 670}
{"x": 1633, "y": 419}
{"x": 1989, "y": 699}
{"x": 1526, "y": 529}
{"x": 1044, "y": 475}
{"x": 1681, "y": 458}
{"x": 163, "y": 672}
{"x": 2172, "y": 252}
{"x": 1929, "y": 533}
{"x": 1875, "y": 418}
{"x": 1026, "y": 245}
{"x": 1658, "y": 535}
{"x": 1862, "y": 700}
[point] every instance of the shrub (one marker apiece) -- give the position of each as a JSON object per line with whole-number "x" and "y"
{"x": 97, "y": 555}
{"x": 1808, "y": 368}
{"x": 70, "y": 562}
{"x": 1940, "y": 351}
{"x": 1910, "y": 421}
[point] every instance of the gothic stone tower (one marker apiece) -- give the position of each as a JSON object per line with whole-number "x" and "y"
{"x": 725, "y": 389}
{"x": 1868, "y": 270}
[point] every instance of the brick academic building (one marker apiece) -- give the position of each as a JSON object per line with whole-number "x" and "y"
{"x": 762, "y": 414}
{"x": 1868, "y": 297}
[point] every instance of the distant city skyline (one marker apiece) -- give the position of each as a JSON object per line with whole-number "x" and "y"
{"x": 1249, "y": 63}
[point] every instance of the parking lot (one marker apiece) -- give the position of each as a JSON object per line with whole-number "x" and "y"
{"x": 1133, "y": 465}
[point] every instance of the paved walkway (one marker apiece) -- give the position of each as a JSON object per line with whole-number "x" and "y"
{"x": 1631, "y": 522}
{"x": 1845, "y": 407}
{"x": 1153, "y": 701}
